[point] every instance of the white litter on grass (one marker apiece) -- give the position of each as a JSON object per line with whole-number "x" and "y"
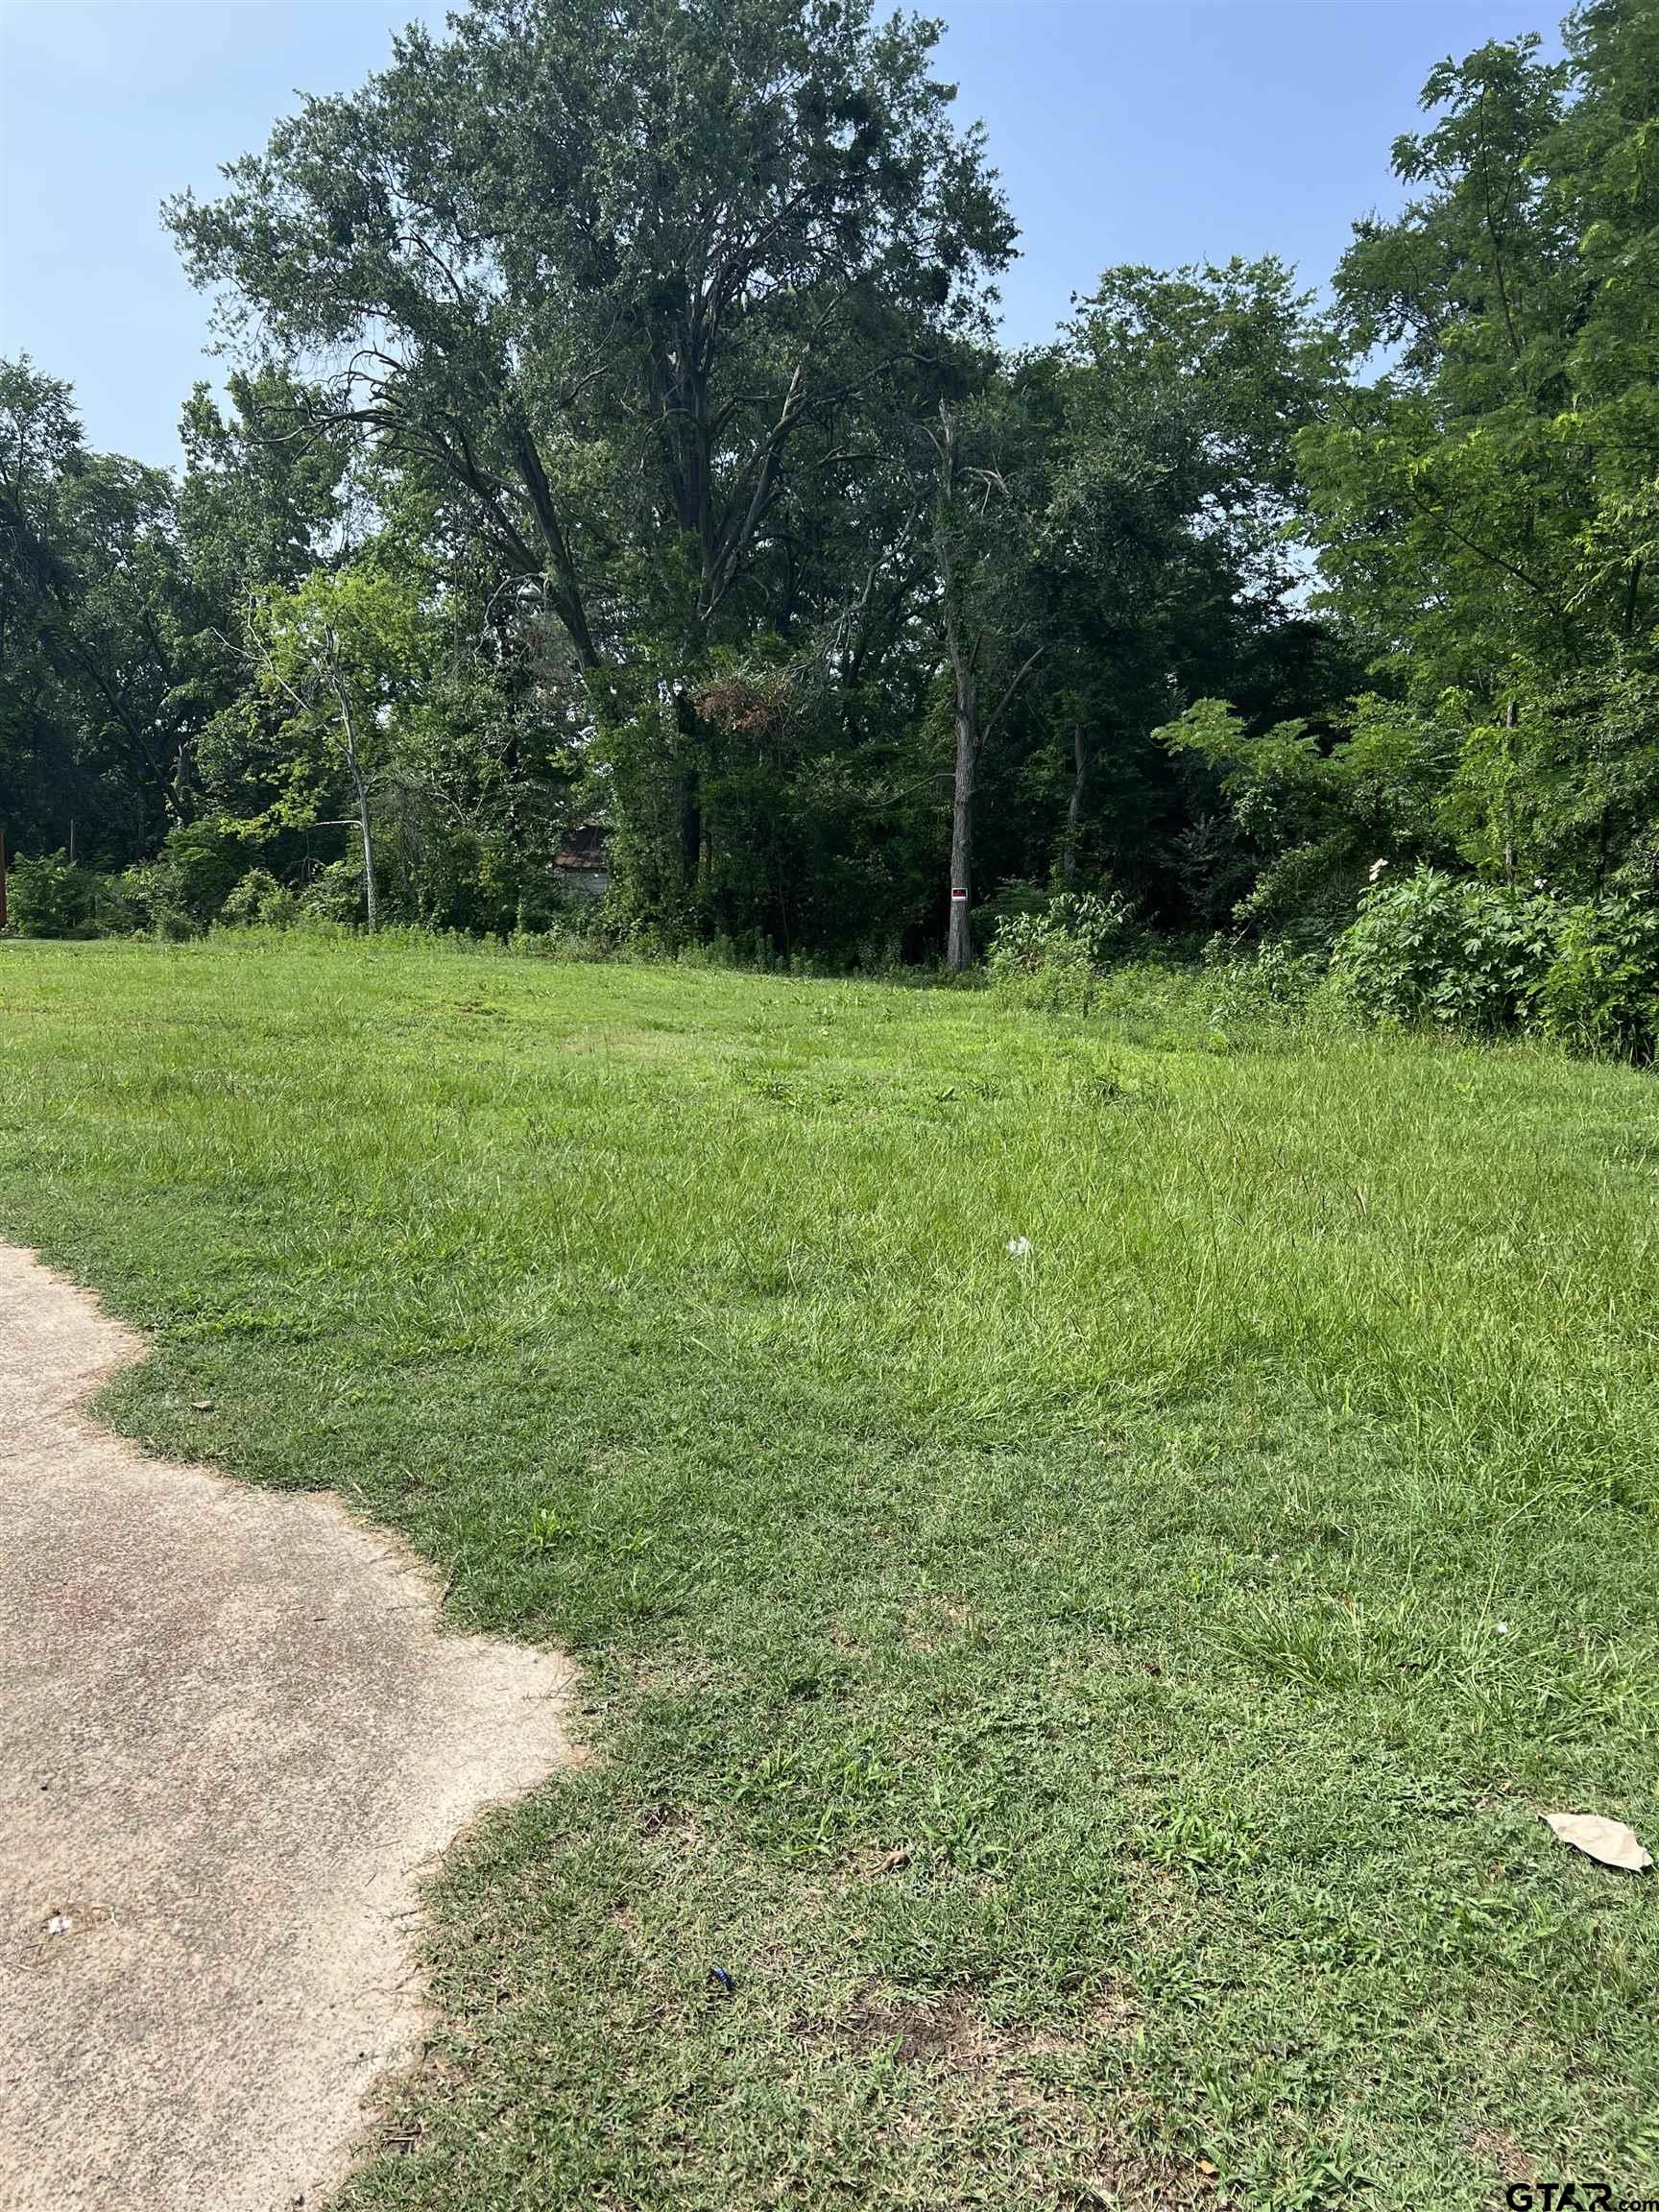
{"x": 1019, "y": 1247}
{"x": 1609, "y": 1842}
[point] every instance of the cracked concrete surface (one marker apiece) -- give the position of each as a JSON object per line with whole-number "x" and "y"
{"x": 232, "y": 1741}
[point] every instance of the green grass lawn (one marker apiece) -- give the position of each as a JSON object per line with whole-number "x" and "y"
{"x": 1095, "y": 1706}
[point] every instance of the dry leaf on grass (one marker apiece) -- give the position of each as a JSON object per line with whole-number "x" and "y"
{"x": 1608, "y": 1842}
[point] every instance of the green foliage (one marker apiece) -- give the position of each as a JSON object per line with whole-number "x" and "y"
{"x": 1453, "y": 951}
{"x": 1313, "y": 813}
{"x": 1011, "y": 900}
{"x": 48, "y": 896}
{"x": 648, "y": 470}
{"x": 1052, "y": 959}
{"x": 1601, "y": 994}
{"x": 333, "y": 659}
{"x": 487, "y": 779}
{"x": 333, "y": 893}
{"x": 1154, "y": 565}
{"x": 182, "y": 891}
{"x": 263, "y": 486}
{"x": 619, "y": 343}
{"x": 1273, "y": 987}
{"x": 200, "y": 864}
{"x": 259, "y": 901}
{"x": 98, "y": 616}
{"x": 1483, "y": 511}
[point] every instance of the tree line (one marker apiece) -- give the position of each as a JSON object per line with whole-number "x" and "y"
{"x": 619, "y": 444}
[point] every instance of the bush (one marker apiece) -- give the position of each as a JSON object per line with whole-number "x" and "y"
{"x": 179, "y": 893}
{"x": 120, "y": 904}
{"x": 1600, "y": 994}
{"x": 259, "y": 901}
{"x": 1013, "y": 901}
{"x": 199, "y": 866}
{"x": 1451, "y": 950}
{"x": 143, "y": 901}
{"x": 49, "y": 896}
{"x": 335, "y": 893}
{"x": 1053, "y": 958}
{"x": 1273, "y": 986}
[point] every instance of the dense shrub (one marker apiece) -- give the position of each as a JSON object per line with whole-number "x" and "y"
{"x": 1600, "y": 994}
{"x": 259, "y": 901}
{"x": 335, "y": 893}
{"x": 200, "y": 864}
{"x": 179, "y": 893}
{"x": 139, "y": 899}
{"x": 1051, "y": 958}
{"x": 48, "y": 896}
{"x": 1441, "y": 949}
{"x": 121, "y": 905}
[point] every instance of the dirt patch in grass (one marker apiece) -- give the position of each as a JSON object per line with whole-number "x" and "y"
{"x": 1502, "y": 2152}
{"x": 1032, "y": 2082}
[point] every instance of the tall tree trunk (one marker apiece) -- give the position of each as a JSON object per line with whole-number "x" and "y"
{"x": 959, "y": 950}
{"x": 371, "y": 889}
{"x": 365, "y": 820}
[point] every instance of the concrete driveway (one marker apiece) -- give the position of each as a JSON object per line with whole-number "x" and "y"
{"x": 231, "y": 1741}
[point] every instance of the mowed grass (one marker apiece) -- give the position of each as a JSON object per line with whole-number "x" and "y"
{"x": 1093, "y": 1708}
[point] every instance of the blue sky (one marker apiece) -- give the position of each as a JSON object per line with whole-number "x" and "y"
{"x": 1155, "y": 130}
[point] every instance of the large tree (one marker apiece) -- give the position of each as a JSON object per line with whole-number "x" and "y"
{"x": 332, "y": 663}
{"x": 1178, "y": 398}
{"x": 989, "y": 495}
{"x": 98, "y": 701}
{"x": 1125, "y": 533}
{"x": 610, "y": 270}
{"x": 1486, "y": 511}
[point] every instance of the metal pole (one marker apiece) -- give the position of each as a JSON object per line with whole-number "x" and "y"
{"x": 2, "y": 879}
